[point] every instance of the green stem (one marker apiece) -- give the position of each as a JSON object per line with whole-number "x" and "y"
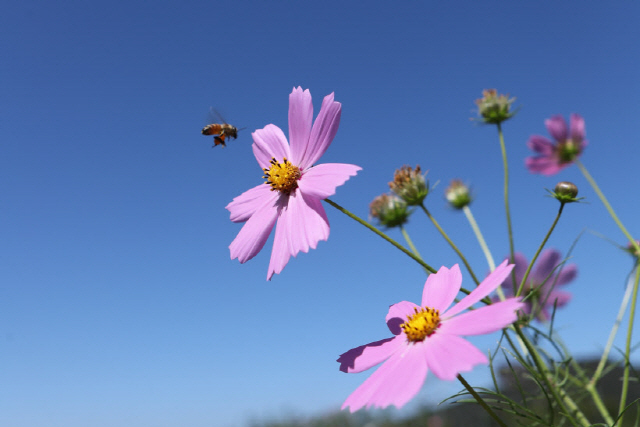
{"x": 566, "y": 404}
{"x": 478, "y": 233}
{"x": 505, "y": 165}
{"x": 627, "y": 349}
{"x": 455, "y": 248}
{"x": 381, "y": 234}
{"x": 409, "y": 242}
{"x": 535, "y": 257}
{"x": 481, "y": 401}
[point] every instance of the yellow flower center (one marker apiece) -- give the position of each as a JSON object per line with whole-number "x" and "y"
{"x": 282, "y": 177}
{"x": 421, "y": 324}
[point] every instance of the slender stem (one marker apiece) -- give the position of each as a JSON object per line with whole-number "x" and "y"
{"x": 505, "y": 165}
{"x": 627, "y": 349}
{"x": 478, "y": 233}
{"x": 455, "y": 248}
{"x": 614, "y": 330}
{"x": 381, "y": 234}
{"x": 409, "y": 242}
{"x": 560, "y": 397}
{"x": 481, "y": 401}
{"x": 606, "y": 204}
{"x": 535, "y": 257}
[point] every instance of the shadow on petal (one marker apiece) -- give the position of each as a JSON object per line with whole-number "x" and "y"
{"x": 347, "y": 360}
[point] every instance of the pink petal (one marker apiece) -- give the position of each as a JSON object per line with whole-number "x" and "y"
{"x": 562, "y": 299}
{"x": 321, "y": 181}
{"x": 540, "y": 145}
{"x": 484, "y": 320}
{"x": 567, "y": 274}
{"x": 519, "y": 269}
{"x": 397, "y": 315}
{"x": 544, "y": 165}
{"x": 367, "y": 356}
{"x": 269, "y": 142}
{"x": 300, "y": 121}
{"x": 246, "y": 204}
{"x": 394, "y": 383}
{"x": 324, "y": 130}
{"x": 448, "y": 355}
{"x": 255, "y": 232}
{"x": 576, "y": 124}
{"x": 548, "y": 260}
{"x": 557, "y": 128}
{"x": 441, "y": 288}
{"x": 488, "y": 285}
{"x": 302, "y": 224}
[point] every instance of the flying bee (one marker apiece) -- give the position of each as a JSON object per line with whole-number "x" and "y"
{"x": 220, "y": 131}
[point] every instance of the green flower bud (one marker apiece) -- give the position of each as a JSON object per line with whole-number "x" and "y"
{"x": 494, "y": 108}
{"x": 458, "y": 194}
{"x": 410, "y": 185}
{"x": 565, "y": 192}
{"x": 389, "y": 210}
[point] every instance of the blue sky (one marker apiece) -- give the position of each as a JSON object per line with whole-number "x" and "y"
{"x": 119, "y": 304}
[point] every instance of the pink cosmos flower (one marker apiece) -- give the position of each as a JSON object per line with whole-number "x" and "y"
{"x": 427, "y": 337}
{"x": 544, "y": 279}
{"x": 551, "y": 158}
{"x": 291, "y": 200}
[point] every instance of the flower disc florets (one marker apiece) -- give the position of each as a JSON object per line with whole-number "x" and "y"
{"x": 421, "y": 324}
{"x": 410, "y": 185}
{"x": 282, "y": 177}
{"x": 458, "y": 194}
{"x": 494, "y": 108}
{"x": 389, "y": 210}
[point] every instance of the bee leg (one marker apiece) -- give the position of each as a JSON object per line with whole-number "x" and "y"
{"x": 219, "y": 140}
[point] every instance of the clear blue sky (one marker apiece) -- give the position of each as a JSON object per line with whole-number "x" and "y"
{"x": 119, "y": 304}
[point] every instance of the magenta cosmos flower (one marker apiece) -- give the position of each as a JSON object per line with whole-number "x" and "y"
{"x": 291, "y": 198}
{"x": 427, "y": 337}
{"x": 544, "y": 279}
{"x": 551, "y": 158}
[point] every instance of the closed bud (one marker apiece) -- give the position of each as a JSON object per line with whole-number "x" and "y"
{"x": 410, "y": 185}
{"x": 458, "y": 194}
{"x": 389, "y": 210}
{"x": 565, "y": 192}
{"x": 494, "y": 108}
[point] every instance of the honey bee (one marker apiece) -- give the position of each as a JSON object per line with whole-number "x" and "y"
{"x": 220, "y": 131}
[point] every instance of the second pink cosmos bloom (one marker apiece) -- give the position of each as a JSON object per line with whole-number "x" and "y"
{"x": 295, "y": 186}
{"x": 428, "y": 337}
{"x": 569, "y": 143}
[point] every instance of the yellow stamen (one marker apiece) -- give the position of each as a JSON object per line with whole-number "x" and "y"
{"x": 422, "y": 324}
{"x": 282, "y": 177}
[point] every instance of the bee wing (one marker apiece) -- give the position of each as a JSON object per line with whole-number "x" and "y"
{"x": 215, "y": 116}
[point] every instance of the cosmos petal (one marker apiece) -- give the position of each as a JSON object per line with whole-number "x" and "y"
{"x": 324, "y": 130}
{"x": 548, "y": 260}
{"x": 321, "y": 181}
{"x": 367, "y": 356}
{"x": 254, "y": 232}
{"x": 300, "y": 121}
{"x": 557, "y": 128}
{"x": 398, "y": 313}
{"x": 544, "y": 165}
{"x": 540, "y": 145}
{"x": 394, "y": 383}
{"x": 246, "y": 204}
{"x": 566, "y": 274}
{"x": 302, "y": 224}
{"x": 488, "y": 285}
{"x": 557, "y": 298}
{"x": 484, "y": 320}
{"x": 448, "y": 355}
{"x": 576, "y": 124}
{"x": 441, "y": 288}
{"x": 269, "y": 142}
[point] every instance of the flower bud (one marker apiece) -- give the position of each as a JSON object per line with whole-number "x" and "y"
{"x": 565, "y": 192}
{"x": 458, "y": 194}
{"x": 632, "y": 249}
{"x": 494, "y": 108}
{"x": 389, "y": 210}
{"x": 410, "y": 185}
